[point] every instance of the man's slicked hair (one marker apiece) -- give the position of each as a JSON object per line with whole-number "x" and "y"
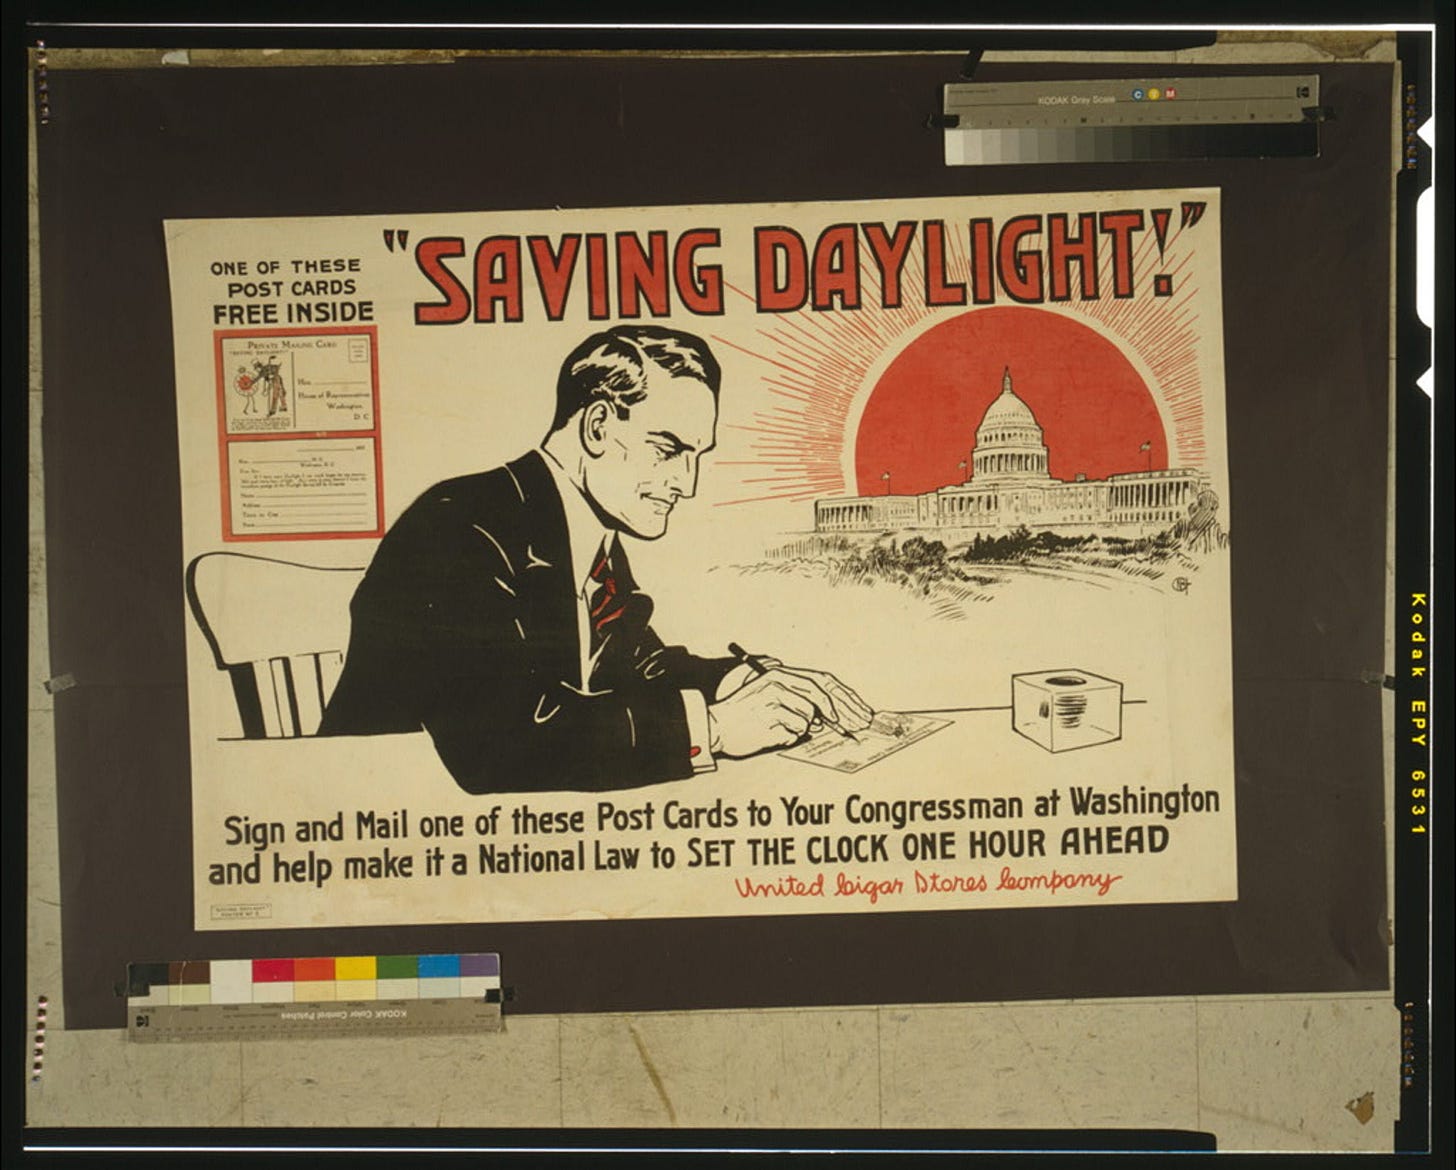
{"x": 612, "y": 365}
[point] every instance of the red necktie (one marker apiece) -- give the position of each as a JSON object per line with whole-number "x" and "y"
{"x": 605, "y": 605}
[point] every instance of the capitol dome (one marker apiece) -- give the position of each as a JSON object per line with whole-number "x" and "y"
{"x": 1009, "y": 440}
{"x": 1008, "y": 410}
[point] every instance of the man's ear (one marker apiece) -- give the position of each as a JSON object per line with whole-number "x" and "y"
{"x": 593, "y": 427}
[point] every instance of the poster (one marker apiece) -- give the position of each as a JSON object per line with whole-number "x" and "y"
{"x": 706, "y": 561}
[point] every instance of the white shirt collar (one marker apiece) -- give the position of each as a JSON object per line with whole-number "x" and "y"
{"x": 584, "y": 531}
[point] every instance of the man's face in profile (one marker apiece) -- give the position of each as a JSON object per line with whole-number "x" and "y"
{"x": 643, "y": 464}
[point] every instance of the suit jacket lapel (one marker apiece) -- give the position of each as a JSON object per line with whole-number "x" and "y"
{"x": 543, "y": 574}
{"x": 549, "y": 594}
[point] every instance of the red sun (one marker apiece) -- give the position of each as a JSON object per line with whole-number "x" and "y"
{"x": 920, "y": 421}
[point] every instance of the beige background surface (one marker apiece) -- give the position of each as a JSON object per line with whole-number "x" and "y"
{"x": 1271, "y": 1073}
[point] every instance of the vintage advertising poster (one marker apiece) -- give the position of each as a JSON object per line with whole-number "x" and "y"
{"x": 704, "y": 561}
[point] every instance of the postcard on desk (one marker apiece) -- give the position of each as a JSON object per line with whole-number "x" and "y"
{"x": 887, "y": 733}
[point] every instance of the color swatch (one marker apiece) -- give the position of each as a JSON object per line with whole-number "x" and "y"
{"x": 973, "y": 147}
{"x": 358, "y": 978}
{"x": 1132, "y": 120}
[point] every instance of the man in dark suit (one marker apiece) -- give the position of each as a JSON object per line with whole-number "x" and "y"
{"x": 500, "y": 613}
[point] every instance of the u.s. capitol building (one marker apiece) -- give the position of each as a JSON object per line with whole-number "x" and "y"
{"x": 1010, "y": 486}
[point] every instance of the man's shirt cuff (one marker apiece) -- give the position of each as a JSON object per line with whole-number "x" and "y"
{"x": 696, "y": 709}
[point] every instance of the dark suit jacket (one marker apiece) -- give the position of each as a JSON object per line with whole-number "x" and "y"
{"x": 466, "y": 625}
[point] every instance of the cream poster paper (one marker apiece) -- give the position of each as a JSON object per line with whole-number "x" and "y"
{"x": 873, "y": 558}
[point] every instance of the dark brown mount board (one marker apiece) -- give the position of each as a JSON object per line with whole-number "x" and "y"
{"x": 1306, "y": 253}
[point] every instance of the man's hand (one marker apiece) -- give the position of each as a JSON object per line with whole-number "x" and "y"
{"x": 779, "y": 708}
{"x": 850, "y": 711}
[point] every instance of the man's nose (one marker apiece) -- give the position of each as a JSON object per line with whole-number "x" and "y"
{"x": 684, "y": 480}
